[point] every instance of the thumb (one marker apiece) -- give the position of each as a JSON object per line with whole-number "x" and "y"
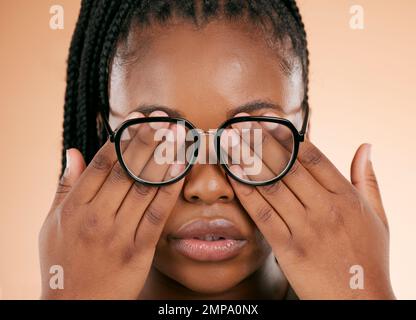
{"x": 75, "y": 165}
{"x": 364, "y": 179}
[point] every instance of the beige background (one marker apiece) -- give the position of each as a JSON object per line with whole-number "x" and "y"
{"x": 362, "y": 90}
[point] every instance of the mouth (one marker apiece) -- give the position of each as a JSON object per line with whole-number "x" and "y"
{"x": 208, "y": 240}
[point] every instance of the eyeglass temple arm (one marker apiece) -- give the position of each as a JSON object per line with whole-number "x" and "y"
{"x": 107, "y": 126}
{"x": 302, "y": 131}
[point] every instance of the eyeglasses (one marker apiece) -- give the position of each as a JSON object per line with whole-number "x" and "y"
{"x": 162, "y": 150}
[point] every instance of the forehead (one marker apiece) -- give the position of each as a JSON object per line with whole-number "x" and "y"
{"x": 202, "y": 73}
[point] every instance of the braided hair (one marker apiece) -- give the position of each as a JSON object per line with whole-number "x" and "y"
{"x": 102, "y": 23}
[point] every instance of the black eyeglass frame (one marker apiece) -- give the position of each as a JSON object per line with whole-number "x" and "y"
{"x": 298, "y": 137}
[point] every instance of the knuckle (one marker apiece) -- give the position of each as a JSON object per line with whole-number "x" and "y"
{"x": 128, "y": 253}
{"x": 264, "y": 214}
{"x": 371, "y": 181}
{"x": 299, "y": 252}
{"x": 118, "y": 174}
{"x": 273, "y": 189}
{"x": 102, "y": 162}
{"x": 311, "y": 156}
{"x": 93, "y": 228}
{"x": 140, "y": 190}
{"x": 154, "y": 215}
{"x": 91, "y": 221}
{"x": 63, "y": 187}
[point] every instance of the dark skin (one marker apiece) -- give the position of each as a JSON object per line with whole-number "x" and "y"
{"x": 206, "y": 76}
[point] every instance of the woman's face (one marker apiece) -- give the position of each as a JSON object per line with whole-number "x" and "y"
{"x": 205, "y": 75}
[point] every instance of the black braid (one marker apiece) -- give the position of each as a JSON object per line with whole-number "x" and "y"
{"x": 75, "y": 51}
{"x": 102, "y": 23}
{"x": 86, "y": 90}
{"x": 108, "y": 47}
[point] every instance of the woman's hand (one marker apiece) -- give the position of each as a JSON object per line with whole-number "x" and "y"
{"x": 102, "y": 228}
{"x": 319, "y": 225}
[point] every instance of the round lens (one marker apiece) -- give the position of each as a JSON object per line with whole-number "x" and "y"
{"x": 257, "y": 151}
{"x": 156, "y": 151}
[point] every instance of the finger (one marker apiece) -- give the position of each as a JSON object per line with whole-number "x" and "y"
{"x": 237, "y": 151}
{"x": 277, "y": 143}
{"x": 171, "y": 150}
{"x": 94, "y": 175}
{"x": 269, "y": 222}
{"x": 155, "y": 170}
{"x": 282, "y": 199}
{"x": 132, "y": 130}
{"x": 364, "y": 179}
{"x": 285, "y": 137}
{"x": 288, "y": 206}
{"x": 139, "y": 195}
{"x": 275, "y": 157}
{"x": 314, "y": 161}
{"x": 139, "y": 148}
{"x": 142, "y": 146}
{"x": 321, "y": 168}
{"x": 153, "y": 220}
{"x": 75, "y": 165}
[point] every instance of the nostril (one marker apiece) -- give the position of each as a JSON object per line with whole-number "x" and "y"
{"x": 223, "y": 198}
{"x": 194, "y": 198}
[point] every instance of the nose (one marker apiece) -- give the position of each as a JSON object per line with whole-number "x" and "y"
{"x": 207, "y": 184}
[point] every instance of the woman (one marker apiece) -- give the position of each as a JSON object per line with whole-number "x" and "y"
{"x": 123, "y": 233}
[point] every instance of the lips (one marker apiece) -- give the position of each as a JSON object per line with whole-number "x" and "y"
{"x": 208, "y": 240}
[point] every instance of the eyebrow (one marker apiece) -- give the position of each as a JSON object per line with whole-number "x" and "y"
{"x": 248, "y": 107}
{"x": 147, "y": 109}
{"x": 255, "y": 106}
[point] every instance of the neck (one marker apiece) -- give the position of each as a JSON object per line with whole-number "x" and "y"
{"x": 268, "y": 282}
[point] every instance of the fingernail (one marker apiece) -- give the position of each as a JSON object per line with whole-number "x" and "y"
{"x": 158, "y": 125}
{"x": 242, "y": 125}
{"x": 68, "y": 163}
{"x": 270, "y": 125}
{"x": 135, "y": 115}
{"x": 242, "y": 114}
